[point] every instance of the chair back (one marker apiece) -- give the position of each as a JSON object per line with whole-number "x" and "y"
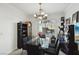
{"x": 56, "y": 43}
{"x": 33, "y": 50}
{"x": 57, "y": 47}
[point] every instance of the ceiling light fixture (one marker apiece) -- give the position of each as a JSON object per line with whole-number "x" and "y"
{"x": 41, "y": 14}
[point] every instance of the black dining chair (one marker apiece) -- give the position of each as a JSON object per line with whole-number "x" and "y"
{"x": 54, "y": 44}
{"x": 33, "y": 50}
{"x": 53, "y": 51}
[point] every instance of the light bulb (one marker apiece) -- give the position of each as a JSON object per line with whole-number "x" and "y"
{"x": 46, "y": 15}
{"x": 35, "y": 15}
{"x": 40, "y": 18}
{"x": 42, "y": 13}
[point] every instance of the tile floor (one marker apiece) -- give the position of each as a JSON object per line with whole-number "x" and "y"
{"x": 24, "y": 52}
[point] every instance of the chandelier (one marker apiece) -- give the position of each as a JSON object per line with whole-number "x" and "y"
{"x": 41, "y": 14}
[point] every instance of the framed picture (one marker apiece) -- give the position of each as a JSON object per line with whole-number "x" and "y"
{"x": 67, "y": 22}
{"x": 75, "y": 17}
{"x": 76, "y": 32}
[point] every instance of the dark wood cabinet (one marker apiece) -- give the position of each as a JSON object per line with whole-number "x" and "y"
{"x": 24, "y": 34}
{"x": 72, "y": 46}
{"x": 21, "y": 34}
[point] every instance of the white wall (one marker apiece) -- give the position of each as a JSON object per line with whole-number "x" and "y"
{"x": 9, "y": 16}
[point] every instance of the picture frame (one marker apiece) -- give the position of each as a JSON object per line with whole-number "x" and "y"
{"x": 68, "y": 21}
{"x": 75, "y": 17}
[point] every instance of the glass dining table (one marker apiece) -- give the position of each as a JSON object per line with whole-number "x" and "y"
{"x": 37, "y": 45}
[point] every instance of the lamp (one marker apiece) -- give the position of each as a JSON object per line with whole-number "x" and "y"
{"x": 41, "y": 14}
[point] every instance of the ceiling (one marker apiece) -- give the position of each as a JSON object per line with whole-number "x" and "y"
{"x": 49, "y": 8}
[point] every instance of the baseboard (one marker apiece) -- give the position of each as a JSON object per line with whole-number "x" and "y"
{"x": 12, "y": 51}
